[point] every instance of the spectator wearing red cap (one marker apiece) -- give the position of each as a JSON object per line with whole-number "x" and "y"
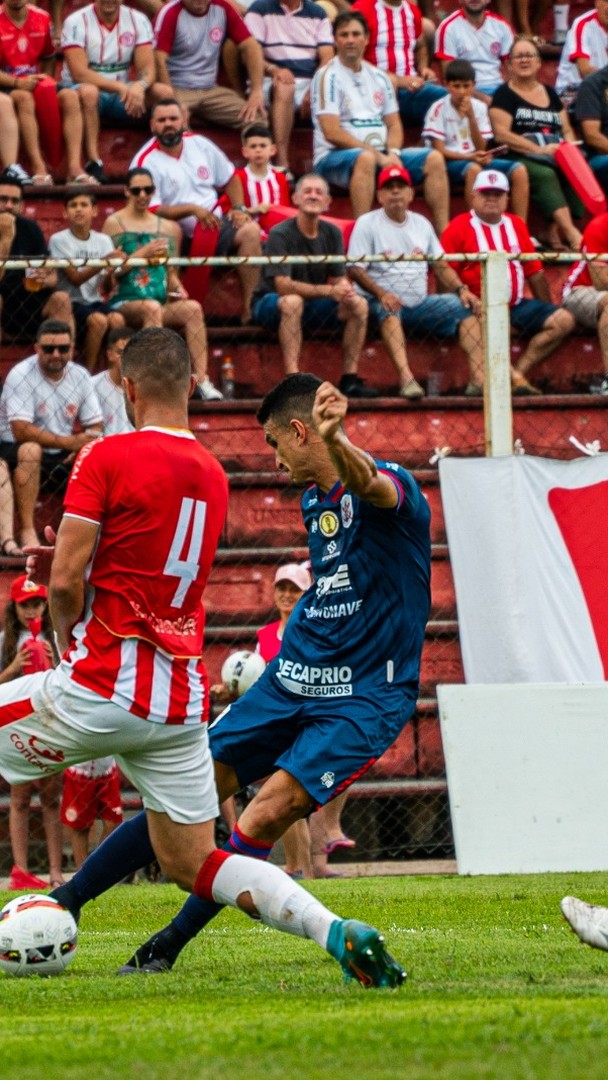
{"x": 294, "y": 297}
{"x": 399, "y": 297}
{"x": 26, "y": 645}
{"x": 488, "y": 227}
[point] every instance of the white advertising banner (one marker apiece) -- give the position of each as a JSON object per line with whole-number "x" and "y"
{"x": 528, "y": 540}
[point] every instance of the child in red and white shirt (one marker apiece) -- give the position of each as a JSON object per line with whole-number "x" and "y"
{"x": 263, "y": 185}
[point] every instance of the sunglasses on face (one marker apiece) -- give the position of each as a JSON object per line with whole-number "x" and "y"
{"x": 145, "y": 189}
{"x": 63, "y": 350}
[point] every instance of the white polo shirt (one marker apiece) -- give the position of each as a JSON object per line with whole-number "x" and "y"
{"x": 361, "y": 99}
{"x": 445, "y": 123}
{"x": 193, "y": 177}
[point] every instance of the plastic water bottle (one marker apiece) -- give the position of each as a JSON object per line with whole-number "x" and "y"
{"x": 227, "y": 377}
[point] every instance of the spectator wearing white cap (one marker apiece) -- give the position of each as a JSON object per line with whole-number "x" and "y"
{"x": 399, "y": 302}
{"x": 488, "y": 227}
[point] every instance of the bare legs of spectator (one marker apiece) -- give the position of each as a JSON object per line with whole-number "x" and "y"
{"x": 80, "y": 841}
{"x": 89, "y": 102}
{"x": 19, "y": 823}
{"x": 185, "y": 316}
{"x": 26, "y": 484}
{"x": 71, "y": 119}
{"x": 363, "y": 183}
{"x": 470, "y": 340}
{"x": 393, "y": 339}
{"x": 9, "y": 132}
{"x": 555, "y": 329}
{"x": 353, "y": 312}
{"x": 325, "y": 830}
{"x": 562, "y": 218}
{"x": 8, "y": 545}
{"x": 247, "y": 241}
{"x": 297, "y": 847}
{"x": 98, "y": 325}
{"x": 23, "y": 101}
{"x": 282, "y": 114}
{"x": 436, "y": 188}
{"x": 602, "y": 328}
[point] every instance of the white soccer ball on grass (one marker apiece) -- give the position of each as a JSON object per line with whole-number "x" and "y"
{"x": 37, "y": 936}
{"x": 240, "y": 670}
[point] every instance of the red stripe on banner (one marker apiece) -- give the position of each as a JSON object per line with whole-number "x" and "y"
{"x": 581, "y": 515}
{"x": 16, "y": 710}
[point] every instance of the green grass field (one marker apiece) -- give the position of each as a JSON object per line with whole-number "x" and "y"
{"x": 498, "y": 987}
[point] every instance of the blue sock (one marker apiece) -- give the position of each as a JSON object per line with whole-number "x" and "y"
{"x": 196, "y": 913}
{"x": 124, "y": 851}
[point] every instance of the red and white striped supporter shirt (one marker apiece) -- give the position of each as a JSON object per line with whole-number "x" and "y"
{"x": 272, "y": 189}
{"x": 393, "y": 33}
{"x": 595, "y": 241}
{"x": 586, "y": 40}
{"x": 468, "y": 233}
{"x": 160, "y": 501}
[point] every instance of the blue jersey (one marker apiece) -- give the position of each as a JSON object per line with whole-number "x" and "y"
{"x": 361, "y": 625}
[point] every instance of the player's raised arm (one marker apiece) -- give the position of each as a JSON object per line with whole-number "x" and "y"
{"x": 356, "y": 469}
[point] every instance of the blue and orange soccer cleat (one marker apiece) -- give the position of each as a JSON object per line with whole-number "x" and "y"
{"x": 359, "y": 949}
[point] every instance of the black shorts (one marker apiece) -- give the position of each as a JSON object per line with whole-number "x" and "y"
{"x": 81, "y": 313}
{"x": 22, "y": 312}
{"x": 54, "y": 471}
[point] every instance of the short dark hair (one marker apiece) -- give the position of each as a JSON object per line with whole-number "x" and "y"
{"x": 53, "y": 326}
{"x": 163, "y": 103}
{"x": 256, "y": 131}
{"x": 74, "y": 193}
{"x": 157, "y": 359}
{"x": 138, "y": 172}
{"x": 119, "y": 333}
{"x": 293, "y": 397}
{"x": 348, "y": 16}
{"x": 459, "y": 71}
{"x": 8, "y": 179}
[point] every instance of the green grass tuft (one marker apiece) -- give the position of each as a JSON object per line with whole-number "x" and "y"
{"x": 498, "y": 989}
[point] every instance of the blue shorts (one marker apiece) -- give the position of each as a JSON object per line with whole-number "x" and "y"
{"x": 109, "y": 104}
{"x": 436, "y": 316}
{"x": 529, "y": 316}
{"x": 325, "y": 745}
{"x": 320, "y": 313}
{"x": 337, "y": 166}
{"x": 457, "y": 169}
{"x": 414, "y": 104}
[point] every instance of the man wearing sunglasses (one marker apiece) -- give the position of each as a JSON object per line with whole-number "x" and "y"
{"x": 43, "y": 399}
{"x": 26, "y": 296}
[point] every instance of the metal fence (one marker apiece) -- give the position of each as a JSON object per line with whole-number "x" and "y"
{"x": 399, "y": 809}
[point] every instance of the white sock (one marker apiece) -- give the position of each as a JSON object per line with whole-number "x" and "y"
{"x": 281, "y": 903}
{"x": 560, "y": 17}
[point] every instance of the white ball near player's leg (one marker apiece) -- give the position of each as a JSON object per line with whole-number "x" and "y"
{"x": 37, "y": 936}
{"x": 240, "y": 670}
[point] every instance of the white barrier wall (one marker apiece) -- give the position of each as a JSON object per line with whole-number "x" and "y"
{"x": 527, "y": 769}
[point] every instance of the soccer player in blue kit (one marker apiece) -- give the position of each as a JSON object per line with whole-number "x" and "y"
{"x": 345, "y": 682}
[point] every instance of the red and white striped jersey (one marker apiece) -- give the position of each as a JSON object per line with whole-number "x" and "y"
{"x": 393, "y": 33}
{"x": 595, "y": 241}
{"x": 272, "y": 189}
{"x": 160, "y": 501}
{"x": 468, "y": 233}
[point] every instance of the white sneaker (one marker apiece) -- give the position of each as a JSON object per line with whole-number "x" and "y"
{"x": 208, "y": 391}
{"x": 17, "y": 172}
{"x": 589, "y": 921}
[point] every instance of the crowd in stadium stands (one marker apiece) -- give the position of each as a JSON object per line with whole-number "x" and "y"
{"x": 388, "y": 93}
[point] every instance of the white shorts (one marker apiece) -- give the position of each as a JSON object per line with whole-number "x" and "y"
{"x": 302, "y": 85}
{"x": 48, "y": 722}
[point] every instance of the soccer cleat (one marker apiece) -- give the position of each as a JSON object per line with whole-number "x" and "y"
{"x": 589, "y": 921}
{"x": 359, "y": 949}
{"x": 20, "y": 879}
{"x": 150, "y": 959}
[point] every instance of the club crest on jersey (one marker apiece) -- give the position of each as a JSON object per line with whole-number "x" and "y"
{"x": 346, "y": 511}
{"x": 328, "y": 523}
{"x": 328, "y": 779}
